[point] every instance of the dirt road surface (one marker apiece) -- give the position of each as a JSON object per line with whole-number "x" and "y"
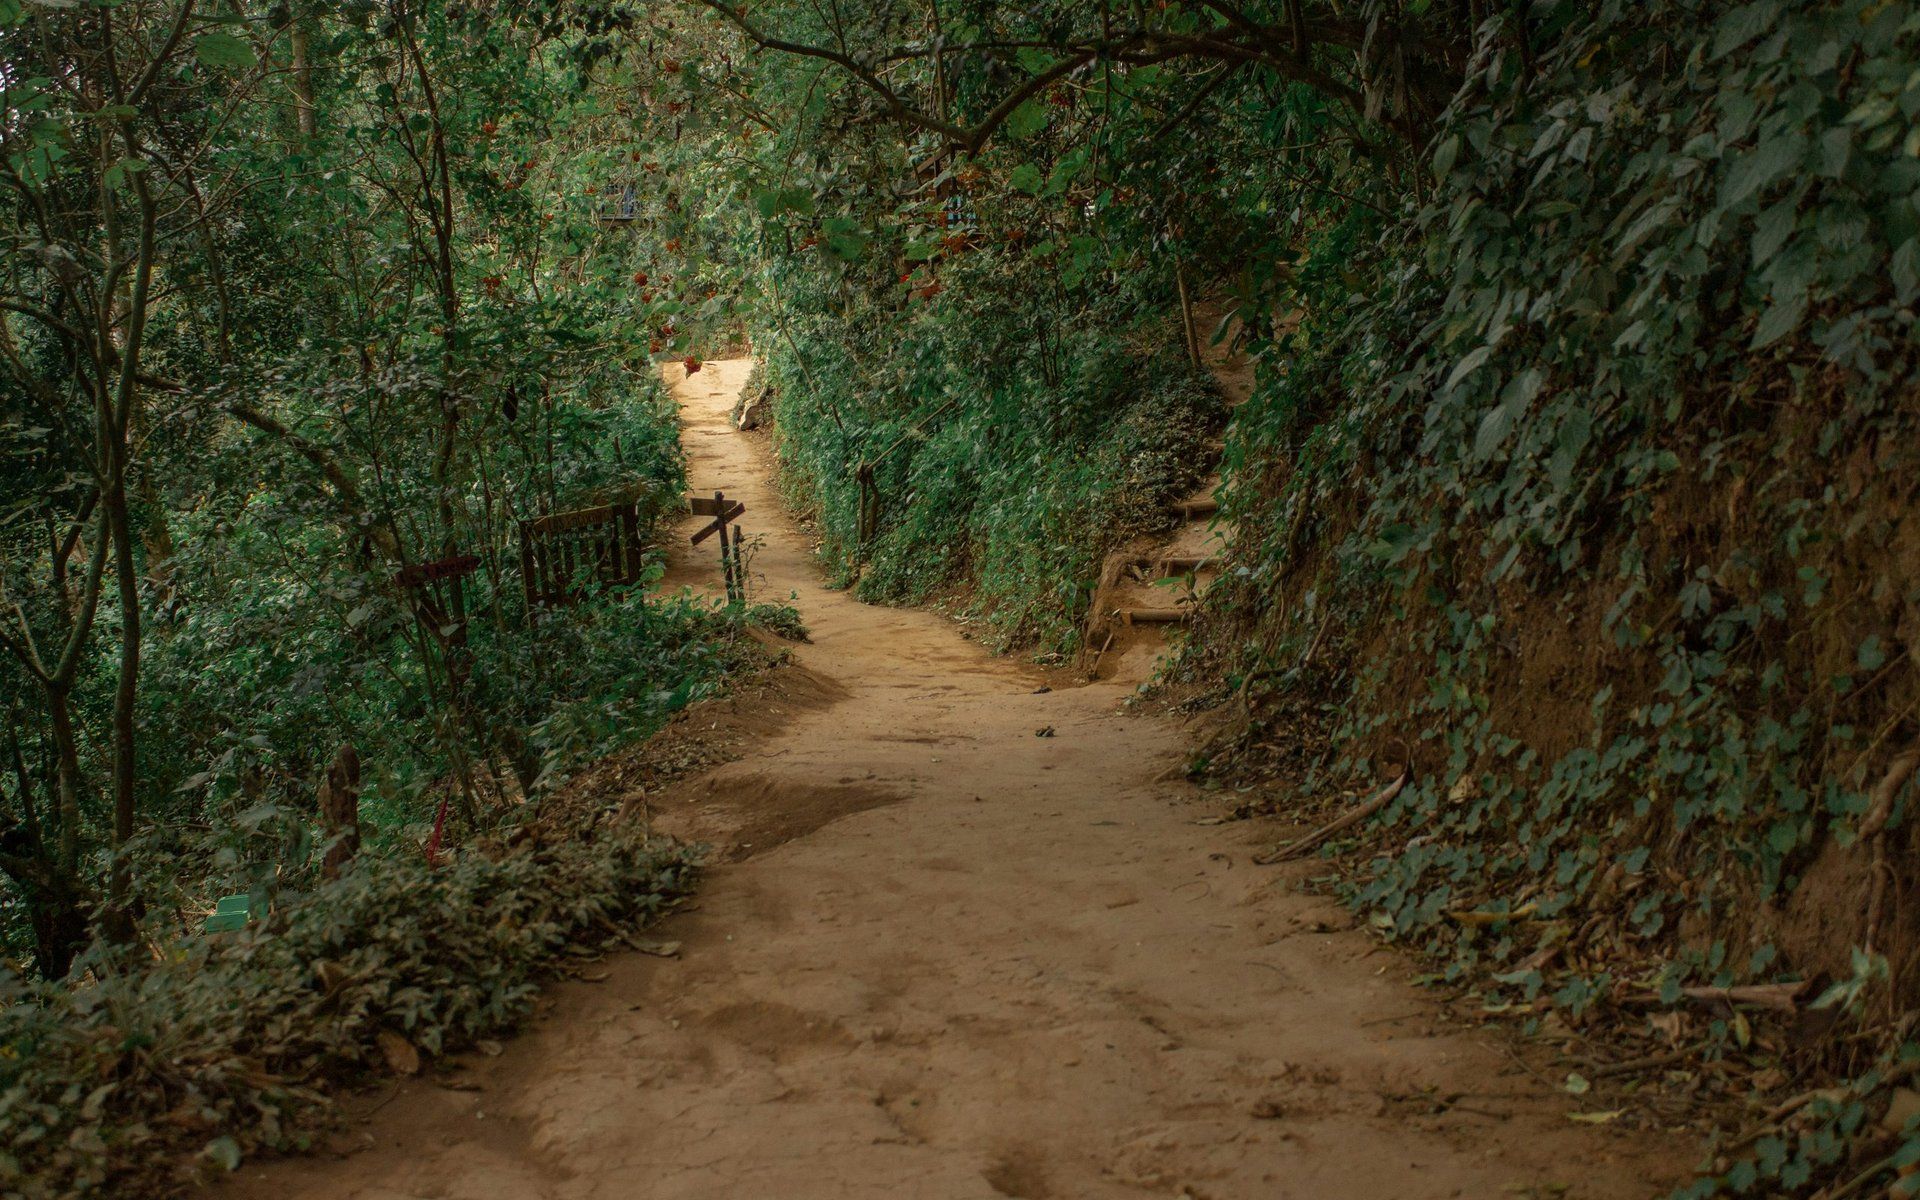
{"x": 946, "y": 958}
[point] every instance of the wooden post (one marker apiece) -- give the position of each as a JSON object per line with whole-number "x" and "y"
{"x": 740, "y": 562}
{"x": 528, "y": 577}
{"x": 726, "y": 545}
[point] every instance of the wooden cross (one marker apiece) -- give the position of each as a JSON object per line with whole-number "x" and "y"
{"x": 723, "y": 511}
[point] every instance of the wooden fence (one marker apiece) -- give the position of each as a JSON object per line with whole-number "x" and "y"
{"x": 564, "y": 556}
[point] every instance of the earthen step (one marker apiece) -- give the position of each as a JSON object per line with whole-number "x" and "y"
{"x": 1154, "y": 616}
{"x": 1176, "y": 564}
{"x": 1193, "y": 510}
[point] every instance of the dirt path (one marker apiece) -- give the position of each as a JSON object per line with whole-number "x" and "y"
{"x": 976, "y": 963}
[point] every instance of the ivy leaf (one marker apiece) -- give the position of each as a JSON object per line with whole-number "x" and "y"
{"x": 1780, "y": 320}
{"x": 1904, "y": 269}
{"x": 1773, "y": 229}
{"x": 1466, "y": 367}
{"x": 1493, "y": 430}
{"x": 1770, "y": 162}
{"x": 223, "y": 50}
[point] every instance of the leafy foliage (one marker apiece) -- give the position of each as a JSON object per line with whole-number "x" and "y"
{"x": 230, "y": 1042}
{"x": 1600, "y": 463}
{"x": 1011, "y": 445}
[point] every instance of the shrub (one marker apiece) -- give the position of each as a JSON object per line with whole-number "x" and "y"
{"x": 230, "y": 1042}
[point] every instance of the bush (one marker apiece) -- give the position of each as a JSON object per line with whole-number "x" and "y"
{"x": 1006, "y": 464}
{"x": 230, "y": 1042}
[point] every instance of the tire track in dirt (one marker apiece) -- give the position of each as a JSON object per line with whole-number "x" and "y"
{"x": 977, "y": 963}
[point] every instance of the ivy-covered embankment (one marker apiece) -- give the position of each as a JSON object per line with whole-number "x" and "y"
{"x": 1591, "y": 483}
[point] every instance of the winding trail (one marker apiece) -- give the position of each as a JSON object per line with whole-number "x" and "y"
{"x": 945, "y": 958}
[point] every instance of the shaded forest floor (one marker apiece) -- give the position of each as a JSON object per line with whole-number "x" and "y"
{"x": 962, "y": 940}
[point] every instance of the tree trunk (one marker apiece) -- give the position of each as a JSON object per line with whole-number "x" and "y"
{"x": 1190, "y": 333}
{"x": 126, "y": 692}
{"x": 302, "y": 77}
{"x": 340, "y": 811}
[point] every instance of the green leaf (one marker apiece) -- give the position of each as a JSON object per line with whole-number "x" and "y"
{"x": 1904, "y": 269}
{"x": 1772, "y": 161}
{"x": 118, "y": 172}
{"x": 1493, "y": 430}
{"x": 1030, "y": 118}
{"x": 224, "y": 50}
{"x": 1780, "y": 320}
{"x": 1026, "y": 178}
{"x": 1466, "y": 367}
{"x": 774, "y": 201}
{"x": 223, "y": 1152}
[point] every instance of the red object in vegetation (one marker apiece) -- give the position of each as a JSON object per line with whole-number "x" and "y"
{"x": 439, "y": 827}
{"x": 489, "y": 128}
{"x": 640, "y": 279}
{"x": 692, "y": 365}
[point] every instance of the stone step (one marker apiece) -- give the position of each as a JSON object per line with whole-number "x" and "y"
{"x": 1193, "y": 510}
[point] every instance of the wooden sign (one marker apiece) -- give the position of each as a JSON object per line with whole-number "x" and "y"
{"x": 562, "y": 555}
{"x": 721, "y": 517}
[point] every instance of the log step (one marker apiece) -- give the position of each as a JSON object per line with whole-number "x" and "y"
{"x": 1175, "y": 564}
{"x": 1194, "y": 509}
{"x": 1155, "y": 616}
{"x": 1171, "y": 566}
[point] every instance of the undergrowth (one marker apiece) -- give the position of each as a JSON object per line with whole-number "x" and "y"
{"x": 1015, "y": 434}
{"x": 1588, "y": 488}
{"x": 228, "y": 1044}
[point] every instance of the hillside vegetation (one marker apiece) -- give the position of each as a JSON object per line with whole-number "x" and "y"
{"x": 1578, "y": 480}
{"x": 1576, "y": 491}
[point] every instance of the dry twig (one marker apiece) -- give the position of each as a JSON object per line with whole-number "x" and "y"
{"x": 1353, "y": 817}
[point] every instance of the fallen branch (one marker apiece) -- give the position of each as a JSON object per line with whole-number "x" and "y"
{"x": 1872, "y": 829}
{"x": 1477, "y": 917}
{"x": 1647, "y": 1062}
{"x": 1380, "y": 800}
{"x": 1880, "y": 810}
{"x": 1782, "y": 997}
